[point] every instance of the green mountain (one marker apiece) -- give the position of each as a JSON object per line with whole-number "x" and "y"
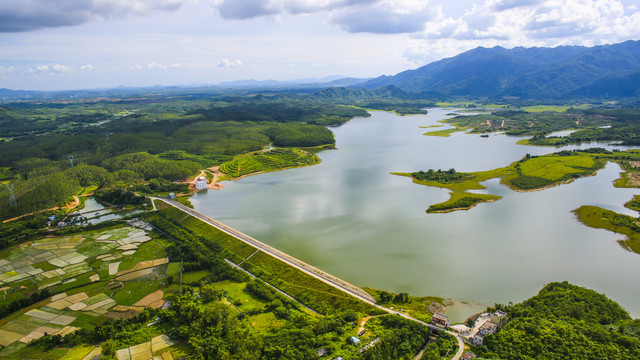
{"x": 607, "y": 71}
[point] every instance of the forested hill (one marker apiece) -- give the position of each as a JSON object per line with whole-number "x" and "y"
{"x": 565, "y": 321}
{"x": 530, "y": 73}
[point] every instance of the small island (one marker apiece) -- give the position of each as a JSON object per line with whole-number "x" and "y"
{"x": 531, "y": 173}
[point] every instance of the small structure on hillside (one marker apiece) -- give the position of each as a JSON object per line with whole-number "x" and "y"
{"x": 440, "y": 320}
{"x": 355, "y": 340}
{"x": 490, "y": 324}
{"x": 201, "y": 183}
{"x": 468, "y": 355}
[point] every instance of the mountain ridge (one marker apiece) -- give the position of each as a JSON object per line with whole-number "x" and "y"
{"x": 537, "y": 72}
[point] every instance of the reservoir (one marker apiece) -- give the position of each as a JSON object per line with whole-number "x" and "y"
{"x": 350, "y": 217}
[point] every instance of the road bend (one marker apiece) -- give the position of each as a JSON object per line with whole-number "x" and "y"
{"x": 327, "y": 278}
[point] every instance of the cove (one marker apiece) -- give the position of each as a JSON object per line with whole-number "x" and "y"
{"x": 350, "y": 217}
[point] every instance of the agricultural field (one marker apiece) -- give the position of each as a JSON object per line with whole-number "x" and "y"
{"x": 92, "y": 276}
{"x": 271, "y": 160}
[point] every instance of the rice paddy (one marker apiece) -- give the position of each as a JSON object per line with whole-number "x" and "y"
{"x": 79, "y": 270}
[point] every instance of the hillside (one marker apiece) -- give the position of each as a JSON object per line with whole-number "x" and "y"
{"x": 530, "y": 73}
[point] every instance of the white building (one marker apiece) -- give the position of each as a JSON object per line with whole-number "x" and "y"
{"x": 201, "y": 183}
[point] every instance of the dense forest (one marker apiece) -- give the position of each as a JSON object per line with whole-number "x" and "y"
{"x": 52, "y": 150}
{"x": 565, "y": 321}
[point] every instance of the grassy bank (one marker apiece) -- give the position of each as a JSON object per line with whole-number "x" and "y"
{"x": 530, "y": 173}
{"x": 599, "y": 218}
{"x": 308, "y": 290}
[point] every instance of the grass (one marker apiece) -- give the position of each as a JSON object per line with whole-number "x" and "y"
{"x": 78, "y": 352}
{"x": 599, "y": 218}
{"x": 556, "y": 168}
{"x": 265, "y": 322}
{"x": 529, "y": 173}
{"x": 235, "y": 291}
{"x": 147, "y": 251}
{"x": 193, "y": 277}
{"x": 461, "y": 201}
{"x": 443, "y": 133}
{"x": 542, "y": 108}
{"x": 134, "y": 291}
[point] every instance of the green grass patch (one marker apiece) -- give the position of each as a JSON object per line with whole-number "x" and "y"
{"x": 45, "y": 266}
{"x": 78, "y": 352}
{"x": 266, "y": 322}
{"x": 147, "y": 251}
{"x": 194, "y": 276}
{"x": 173, "y": 269}
{"x": 555, "y": 168}
{"x": 235, "y": 292}
{"x": 461, "y": 201}
{"x": 633, "y": 204}
{"x": 543, "y": 108}
{"x": 599, "y": 218}
{"x": 443, "y": 133}
{"x": 133, "y": 291}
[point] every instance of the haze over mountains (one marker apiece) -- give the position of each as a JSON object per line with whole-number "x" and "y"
{"x": 606, "y": 71}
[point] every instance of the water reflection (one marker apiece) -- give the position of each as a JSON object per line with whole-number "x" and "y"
{"x": 350, "y": 217}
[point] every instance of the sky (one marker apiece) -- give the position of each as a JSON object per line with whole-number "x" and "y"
{"x": 85, "y": 44}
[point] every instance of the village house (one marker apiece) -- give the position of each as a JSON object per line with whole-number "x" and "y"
{"x": 490, "y": 325}
{"x": 440, "y": 320}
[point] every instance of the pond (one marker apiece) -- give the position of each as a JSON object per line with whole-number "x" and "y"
{"x": 350, "y": 217}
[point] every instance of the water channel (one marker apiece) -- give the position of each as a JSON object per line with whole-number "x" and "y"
{"x": 350, "y": 217}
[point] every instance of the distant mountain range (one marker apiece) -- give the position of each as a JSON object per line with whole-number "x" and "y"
{"x": 607, "y": 71}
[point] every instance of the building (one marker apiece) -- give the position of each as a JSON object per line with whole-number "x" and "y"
{"x": 488, "y": 328}
{"x": 440, "y": 320}
{"x": 499, "y": 318}
{"x": 468, "y": 355}
{"x": 355, "y": 340}
{"x": 477, "y": 339}
{"x": 201, "y": 183}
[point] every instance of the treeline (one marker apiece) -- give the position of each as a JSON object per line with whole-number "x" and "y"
{"x": 132, "y": 141}
{"x": 565, "y": 321}
{"x": 450, "y": 175}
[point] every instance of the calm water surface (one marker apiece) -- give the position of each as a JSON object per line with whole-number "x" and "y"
{"x": 350, "y": 217}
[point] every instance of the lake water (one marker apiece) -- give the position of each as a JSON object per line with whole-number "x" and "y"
{"x": 350, "y": 217}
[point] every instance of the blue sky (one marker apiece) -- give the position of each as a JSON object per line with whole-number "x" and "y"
{"x": 72, "y": 44}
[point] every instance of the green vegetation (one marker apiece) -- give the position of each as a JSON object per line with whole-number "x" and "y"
{"x": 275, "y": 159}
{"x": 442, "y": 133}
{"x": 59, "y": 149}
{"x": 461, "y": 201}
{"x": 440, "y": 176}
{"x": 599, "y": 218}
{"x": 198, "y": 235}
{"x": 565, "y": 321}
{"x": 529, "y": 173}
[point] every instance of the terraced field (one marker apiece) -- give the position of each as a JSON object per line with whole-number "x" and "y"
{"x": 271, "y": 160}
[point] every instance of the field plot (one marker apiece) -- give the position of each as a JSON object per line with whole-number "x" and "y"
{"x": 83, "y": 265}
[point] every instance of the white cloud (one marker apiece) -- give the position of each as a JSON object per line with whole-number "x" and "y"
{"x": 226, "y": 63}
{"x": 87, "y": 67}
{"x": 28, "y": 15}
{"x": 511, "y": 23}
{"x": 60, "y": 69}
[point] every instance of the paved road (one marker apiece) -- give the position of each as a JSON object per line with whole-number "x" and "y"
{"x": 306, "y": 268}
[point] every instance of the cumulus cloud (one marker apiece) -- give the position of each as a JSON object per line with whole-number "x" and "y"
{"x": 586, "y": 20}
{"x": 28, "y": 15}
{"x": 387, "y": 17}
{"x": 226, "y": 63}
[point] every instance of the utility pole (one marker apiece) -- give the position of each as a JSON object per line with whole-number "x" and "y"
{"x": 12, "y": 197}
{"x": 70, "y": 157}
